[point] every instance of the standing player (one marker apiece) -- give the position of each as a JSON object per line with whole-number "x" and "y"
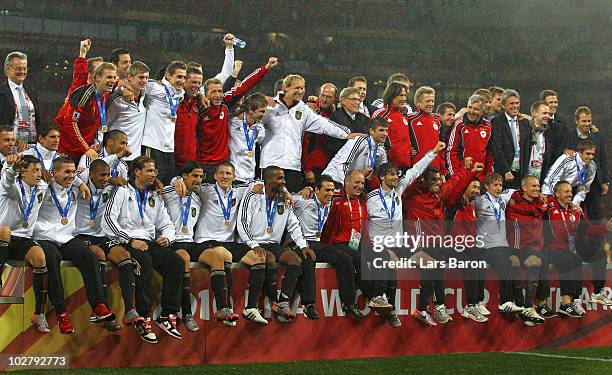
{"x": 425, "y": 126}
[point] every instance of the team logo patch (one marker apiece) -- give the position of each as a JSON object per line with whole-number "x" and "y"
{"x": 298, "y": 115}
{"x": 483, "y": 133}
{"x": 389, "y": 120}
{"x": 572, "y": 218}
{"x": 397, "y": 201}
{"x": 280, "y": 209}
{"x": 435, "y": 126}
{"x": 467, "y": 131}
{"x": 406, "y": 122}
{"x": 76, "y": 116}
{"x": 503, "y": 206}
{"x": 419, "y": 123}
{"x": 194, "y": 212}
{"x": 40, "y": 198}
{"x": 233, "y": 202}
{"x": 104, "y": 197}
{"x": 221, "y": 115}
{"x": 152, "y": 201}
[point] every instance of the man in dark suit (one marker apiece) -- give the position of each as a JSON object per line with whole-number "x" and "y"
{"x": 559, "y": 126}
{"x": 348, "y": 115}
{"x": 18, "y": 102}
{"x": 511, "y": 140}
{"x": 541, "y": 146}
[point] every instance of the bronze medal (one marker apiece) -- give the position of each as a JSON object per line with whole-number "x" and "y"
{"x": 104, "y": 128}
{"x": 24, "y": 224}
{"x": 92, "y": 224}
{"x": 184, "y": 230}
{"x": 64, "y": 221}
{"x": 250, "y": 154}
{"x": 318, "y": 234}
{"x": 226, "y": 223}
{"x": 172, "y": 118}
{"x": 269, "y": 230}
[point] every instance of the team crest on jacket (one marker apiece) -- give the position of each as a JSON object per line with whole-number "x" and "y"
{"x": 298, "y": 115}
{"x": 419, "y": 123}
{"x": 152, "y": 201}
{"x": 280, "y": 209}
{"x": 405, "y": 121}
{"x": 76, "y": 116}
{"x": 503, "y": 205}
{"x": 233, "y": 202}
{"x": 221, "y": 115}
{"x": 435, "y": 126}
{"x": 397, "y": 201}
{"x": 194, "y": 212}
{"x": 572, "y": 218}
{"x": 104, "y": 197}
{"x": 40, "y": 197}
{"x": 483, "y": 133}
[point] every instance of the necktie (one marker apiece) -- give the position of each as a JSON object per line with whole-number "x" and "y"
{"x": 25, "y": 110}
{"x": 513, "y": 131}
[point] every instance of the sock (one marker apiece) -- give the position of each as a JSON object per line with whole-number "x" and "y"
{"x": 186, "y": 295}
{"x": 126, "y": 282}
{"x": 217, "y": 282}
{"x": 533, "y": 276}
{"x": 102, "y": 268}
{"x": 289, "y": 280}
{"x": 391, "y": 287}
{"x": 517, "y": 292}
{"x": 270, "y": 283}
{"x": 39, "y": 284}
{"x": 256, "y": 281}
{"x": 229, "y": 280}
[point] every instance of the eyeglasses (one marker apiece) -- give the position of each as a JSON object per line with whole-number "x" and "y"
{"x": 19, "y": 68}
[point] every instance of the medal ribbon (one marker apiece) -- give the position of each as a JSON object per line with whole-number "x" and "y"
{"x": 101, "y": 108}
{"x": 271, "y": 209}
{"x": 141, "y": 203}
{"x": 26, "y": 206}
{"x": 495, "y": 211}
{"x": 581, "y": 174}
{"x": 225, "y": 208}
{"x": 185, "y": 211}
{"x": 320, "y": 219}
{"x": 382, "y": 199}
{"x": 249, "y": 141}
{"x": 63, "y": 211}
{"x": 372, "y": 156}
{"x": 173, "y": 106}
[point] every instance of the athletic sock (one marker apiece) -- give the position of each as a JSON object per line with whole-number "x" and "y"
{"x": 390, "y": 292}
{"x": 39, "y": 284}
{"x": 289, "y": 280}
{"x": 256, "y": 281}
{"x": 229, "y": 281}
{"x": 270, "y": 283}
{"x": 126, "y": 282}
{"x": 217, "y": 282}
{"x": 517, "y": 292}
{"x": 533, "y": 276}
{"x": 102, "y": 268}
{"x": 186, "y": 296}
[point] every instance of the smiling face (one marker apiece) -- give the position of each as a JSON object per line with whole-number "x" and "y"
{"x": 583, "y": 124}
{"x": 400, "y": 100}
{"x": 146, "y": 175}
{"x": 325, "y": 192}
{"x": 474, "y": 111}
{"x": 32, "y": 175}
{"x": 276, "y": 181}
{"x": 496, "y": 103}
{"x": 295, "y": 91}
{"x": 100, "y": 177}
{"x": 587, "y": 155}
{"x": 123, "y": 65}
{"x": 363, "y": 89}
{"x": 553, "y": 103}
{"x": 17, "y": 70}
{"x": 224, "y": 175}
{"x": 64, "y": 174}
{"x": 426, "y": 102}
{"x": 512, "y": 106}
{"x": 193, "y": 179}
{"x": 139, "y": 82}
{"x": 494, "y": 188}
{"x": 177, "y": 79}
{"x": 391, "y": 179}
{"x": 106, "y": 80}
{"x": 379, "y": 134}
{"x": 355, "y": 184}
{"x": 448, "y": 116}
{"x": 432, "y": 182}
{"x": 50, "y": 141}
{"x": 541, "y": 115}
{"x": 192, "y": 85}
{"x": 564, "y": 194}
{"x": 351, "y": 103}
{"x": 531, "y": 188}
{"x": 7, "y": 142}
{"x": 327, "y": 97}
{"x": 473, "y": 190}
{"x": 118, "y": 144}
{"x": 214, "y": 93}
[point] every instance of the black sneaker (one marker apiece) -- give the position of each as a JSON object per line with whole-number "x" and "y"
{"x": 353, "y": 311}
{"x": 568, "y": 311}
{"x": 545, "y": 312}
{"x": 311, "y": 312}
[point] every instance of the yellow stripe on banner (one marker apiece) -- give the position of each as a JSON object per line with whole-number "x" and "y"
{"x": 16, "y": 319}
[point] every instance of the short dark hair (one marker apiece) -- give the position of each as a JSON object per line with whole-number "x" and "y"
{"x": 321, "y": 179}
{"x": 44, "y": 130}
{"x": 191, "y": 70}
{"x": 90, "y": 63}
{"x": 536, "y": 106}
{"x": 268, "y": 171}
{"x": 112, "y": 134}
{"x": 138, "y": 67}
{"x": 386, "y": 168}
{"x": 586, "y": 144}
{"x": 6, "y": 128}
{"x": 190, "y": 166}
{"x": 114, "y": 55}
{"x": 352, "y": 81}
{"x": 399, "y": 77}
{"x": 174, "y": 66}
{"x": 430, "y": 171}
{"x": 393, "y": 90}
{"x": 580, "y": 111}
{"x": 161, "y": 72}
{"x": 278, "y": 86}
{"x": 546, "y": 93}
{"x": 139, "y": 164}
{"x": 559, "y": 184}
{"x": 29, "y": 160}
{"x": 60, "y": 161}
{"x": 444, "y": 106}
{"x": 378, "y": 122}
{"x": 98, "y": 164}
{"x": 495, "y": 90}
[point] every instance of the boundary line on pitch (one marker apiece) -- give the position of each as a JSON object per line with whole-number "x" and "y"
{"x": 562, "y": 356}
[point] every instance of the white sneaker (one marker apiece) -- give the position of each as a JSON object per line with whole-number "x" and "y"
{"x": 441, "y": 315}
{"x": 510, "y": 307}
{"x": 380, "y": 304}
{"x": 577, "y": 305}
{"x": 531, "y": 317}
{"x": 474, "y": 313}
{"x": 254, "y": 314}
{"x": 483, "y": 308}
{"x": 601, "y": 299}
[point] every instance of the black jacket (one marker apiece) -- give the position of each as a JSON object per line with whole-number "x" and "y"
{"x": 361, "y": 124}
{"x": 503, "y": 145}
{"x": 601, "y": 157}
{"x": 7, "y": 104}
{"x": 559, "y": 128}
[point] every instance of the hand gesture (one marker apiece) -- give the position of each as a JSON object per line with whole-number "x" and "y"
{"x": 272, "y": 62}
{"x": 227, "y": 40}
{"x": 478, "y": 167}
{"x": 84, "y": 48}
{"x": 439, "y": 147}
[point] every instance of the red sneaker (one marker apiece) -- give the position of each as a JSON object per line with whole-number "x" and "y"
{"x": 65, "y": 325}
{"x": 101, "y": 314}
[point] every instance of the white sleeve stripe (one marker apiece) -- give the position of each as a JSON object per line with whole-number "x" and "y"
{"x": 245, "y": 215}
{"x": 108, "y": 220}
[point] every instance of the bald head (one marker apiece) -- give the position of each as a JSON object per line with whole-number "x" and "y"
{"x": 328, "y": 95}
{"x": 354, "y": 183}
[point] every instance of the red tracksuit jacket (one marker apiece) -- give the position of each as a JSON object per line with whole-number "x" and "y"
{"x": 524, "y": 222}
{"x": 399, "y": 136}
{"x": 341, "y": 219}
{"x": 559, "y": 223}
{"x": 80, "y": 121}
{"x": 424, "y": 135}
{"x": 212, "y": 129}
{"x": 469, "y": 140}
{"x": 461, "y": 218}
{"x": 314, "y": 154}
{"x": 424, "y": 211}
{"x": 185, "y": 131}
{"x": 79, "y": 78}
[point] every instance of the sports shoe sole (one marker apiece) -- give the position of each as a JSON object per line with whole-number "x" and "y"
{"x": 265, "y": 322}
{"x": 471, "y": 317}
{"x": 170, "y": 333}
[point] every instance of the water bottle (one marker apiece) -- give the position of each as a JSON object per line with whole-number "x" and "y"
{"x": 238, "y": 42}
